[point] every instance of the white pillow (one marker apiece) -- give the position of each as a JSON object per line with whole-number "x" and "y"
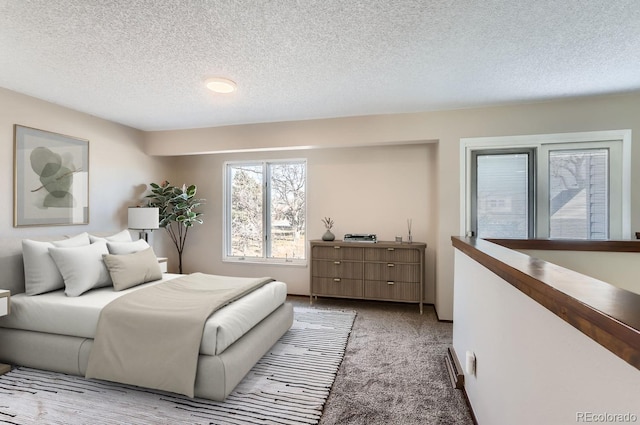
{"x": 82, "y": 268}
{"x": 122, "y": 248}
{"x": 133, "y": 269}
{"x": 123, "y": 236}
{"x": 77, "y": 240}
{"x": 40, "y": 271}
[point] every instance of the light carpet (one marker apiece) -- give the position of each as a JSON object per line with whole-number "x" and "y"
{"x": 289, "y": 385}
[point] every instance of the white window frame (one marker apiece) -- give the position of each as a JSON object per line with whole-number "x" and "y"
{"x": 226, "y": 213}
{"x": 619, "y": 225}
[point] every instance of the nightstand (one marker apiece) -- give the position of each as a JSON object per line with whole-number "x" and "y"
{"x": 5, "y": 309}
{"x": 163, "y": 261}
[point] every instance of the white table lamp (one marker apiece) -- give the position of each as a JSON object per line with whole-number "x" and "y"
{"x": 143, "y": 219}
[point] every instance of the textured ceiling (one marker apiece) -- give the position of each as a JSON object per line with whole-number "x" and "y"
{"x": 143, "y": 62}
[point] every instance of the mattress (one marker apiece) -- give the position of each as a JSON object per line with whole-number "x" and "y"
{"x": 56, "y": 313}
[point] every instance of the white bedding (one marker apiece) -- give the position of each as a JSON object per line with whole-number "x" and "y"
{"x": 56, "y": 313}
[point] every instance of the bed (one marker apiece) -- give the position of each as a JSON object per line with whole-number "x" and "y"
{"x": 55, "y": 331}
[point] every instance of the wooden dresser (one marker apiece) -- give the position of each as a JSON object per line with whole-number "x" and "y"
{"x": 386, "y": 271}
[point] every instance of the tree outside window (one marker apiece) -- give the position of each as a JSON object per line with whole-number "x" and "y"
{"x": 265, "y": 210}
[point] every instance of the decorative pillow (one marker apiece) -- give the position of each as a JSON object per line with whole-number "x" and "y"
{"x": 40, "y": 271}
{"x": 123, "y": 236}
{"x": 77, "y": 240}
{"x": 133, "y": 269}
{"x": 121, "y": 248}
{"x": 82, "y": 268}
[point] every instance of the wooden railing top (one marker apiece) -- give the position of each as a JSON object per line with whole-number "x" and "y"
{"x": 570, "y": 245}
{"x": 607, "y": 314}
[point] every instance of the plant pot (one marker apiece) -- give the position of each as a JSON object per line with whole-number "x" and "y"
{"x": 328, "y": 236}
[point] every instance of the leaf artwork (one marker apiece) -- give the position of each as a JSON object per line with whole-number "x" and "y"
{"x": 54, "y": 176}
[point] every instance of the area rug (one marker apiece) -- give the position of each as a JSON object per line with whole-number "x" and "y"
{"x": 289, "y": 385}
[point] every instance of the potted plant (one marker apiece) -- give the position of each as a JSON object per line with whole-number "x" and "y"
{"x": 328, "y": 224}
{"x": 177, "y": 212}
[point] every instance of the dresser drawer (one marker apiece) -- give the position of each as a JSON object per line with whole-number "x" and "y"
{"x": 337, "y": 287}
{"x": 383, "y": 271}
{"x": 392, "y": 271}
{"x": 392, "y": 290}
{"x": 337, "y": 252}
{"x": 400, "y": 255}
{"x": 337, "y": 268}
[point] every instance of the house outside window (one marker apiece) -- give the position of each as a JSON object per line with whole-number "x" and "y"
{"x": 565, "y": 186}
{"x": 579, "y": 194}
{"x": 265, "y": 211}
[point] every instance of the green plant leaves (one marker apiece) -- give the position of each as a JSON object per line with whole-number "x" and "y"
{"x": 176, "y": 206}
{"x": 55, "y": 178}
{"x": 59, "y": 200}
{"x": 59, "y": 183}
{"x": 45, "y": 162}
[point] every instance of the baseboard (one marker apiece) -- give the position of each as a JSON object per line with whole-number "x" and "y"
{"x": 438, "y": 316}
{"x": 473, "y": 415}
{"x": 456, "y": 375}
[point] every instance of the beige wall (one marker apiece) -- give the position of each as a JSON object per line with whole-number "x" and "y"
{"x": 445, "y": 127}
{"x": 365, "y": 190}
{"x": 118, "y": 167}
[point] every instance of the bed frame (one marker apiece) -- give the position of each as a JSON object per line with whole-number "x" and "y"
{"x": 216, "y": 376}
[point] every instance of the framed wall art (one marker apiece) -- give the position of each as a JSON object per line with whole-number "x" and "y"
{"x": 51, "y": 178}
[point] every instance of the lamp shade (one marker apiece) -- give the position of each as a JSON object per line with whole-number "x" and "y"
{"x": 141, "y": 218}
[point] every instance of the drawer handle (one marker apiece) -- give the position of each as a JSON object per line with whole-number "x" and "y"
{"x": 336, "y": 247}
{"x": 336, "y": 279}
{"x": 391, "y": 282}
{"x": 336, "y": 262}
{"x": 391, "y": 249}
{"x": 391, "y": 265}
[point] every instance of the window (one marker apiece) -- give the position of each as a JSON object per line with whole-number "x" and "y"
{"x": 578, "y": 193}
{"x": 572, "y": 186}
{"x": 503, "y": 207}
{"x": 265, "y": 211}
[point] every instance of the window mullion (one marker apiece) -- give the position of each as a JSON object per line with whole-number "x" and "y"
{"x": 228, "y": 237}
{"x": 533, "y": 192}
{"x": 266, "y": 213}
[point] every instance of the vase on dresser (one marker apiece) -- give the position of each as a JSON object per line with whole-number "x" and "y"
{"x": 328, "y": 236}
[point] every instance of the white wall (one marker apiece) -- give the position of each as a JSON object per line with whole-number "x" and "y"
{"x": 620, "y": 269}
{"x": 365, "y": 190}
{"x": 445, "y": 127}
{"x": 532, "y": 367}
{"x": 118, "y": 168}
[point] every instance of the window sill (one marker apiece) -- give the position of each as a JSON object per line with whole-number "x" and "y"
{"x": 265, "y": 262}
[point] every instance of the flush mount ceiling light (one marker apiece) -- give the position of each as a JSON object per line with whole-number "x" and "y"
{"x": 220, "y": 85}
